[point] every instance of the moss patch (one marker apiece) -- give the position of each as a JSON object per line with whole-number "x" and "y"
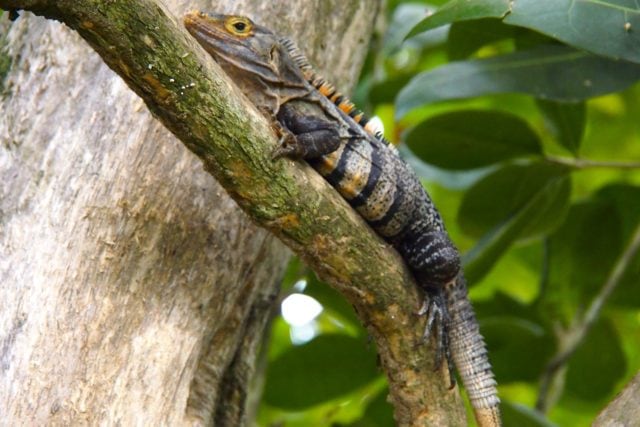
{"x": 5, "y": 63}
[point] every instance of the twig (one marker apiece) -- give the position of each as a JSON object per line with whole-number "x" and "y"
{"x": 592, "y": 164}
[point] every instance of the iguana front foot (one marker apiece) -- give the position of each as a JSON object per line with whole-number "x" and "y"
{"x": 434, "y": 307}
{"x": 287, "y": 148}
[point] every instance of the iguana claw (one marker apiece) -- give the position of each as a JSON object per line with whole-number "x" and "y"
{"x": 434, "y": 307}
{"x": 284, "y": 149}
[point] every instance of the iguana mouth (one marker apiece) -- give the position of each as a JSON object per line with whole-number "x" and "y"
{"x": 202, "y": 24}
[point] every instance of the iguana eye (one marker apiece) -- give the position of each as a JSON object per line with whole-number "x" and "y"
{"x": 238, "y": 26}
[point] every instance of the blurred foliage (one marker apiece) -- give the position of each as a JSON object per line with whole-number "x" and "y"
{"x": 524, "y": 128}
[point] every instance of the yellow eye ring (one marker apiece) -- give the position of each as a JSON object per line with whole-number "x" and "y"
{"x": 238, "y": 26}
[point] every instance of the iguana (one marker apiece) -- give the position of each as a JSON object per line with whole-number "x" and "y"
{"x": 321, "y": 126}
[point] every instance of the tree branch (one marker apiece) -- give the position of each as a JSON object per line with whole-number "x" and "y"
{"x": 193, "y": 98}
{"x": 624, "y": 410}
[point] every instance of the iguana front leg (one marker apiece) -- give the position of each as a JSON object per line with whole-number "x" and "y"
{"x": 305, "y": 137}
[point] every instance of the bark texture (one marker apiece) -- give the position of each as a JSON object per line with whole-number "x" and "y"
{"x": 624, "y": 410}
{"x": 133, "y": 289}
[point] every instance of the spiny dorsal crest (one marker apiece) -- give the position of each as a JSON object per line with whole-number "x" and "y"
{"x": 330, "y": 92}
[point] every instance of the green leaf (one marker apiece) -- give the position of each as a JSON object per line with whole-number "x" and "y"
{"x": 598, "y": 363}
{"x": 379, "y": 412}
{"x": 567, "y": 121}
{"x": 518, "y": 348}
{"x": 581, "y": 255}
{"x": 405, "y": 16}
{"x": 626, "y": 200}
{"x": 606, "y": 27}
{"x": 626, "y": 294}
{"x": 385, "y": 91}
{"x": 515, "y": 414}
{"x": 505, "y": 193}
{"x": 323, "y": 369}
{"x": 525, "y": 39}
{"x": 515, "y": 202}
{"x": 462, "y": 10}
{"x": 468, "y": 139}
{"x": 550, "y": 72}
{"x": 455, "y": 180}
{"x": 468, "y": 36}
{"x": 333, "y": 302}
{"x": 503, "y": 305}
{"x": 292, "y": 274}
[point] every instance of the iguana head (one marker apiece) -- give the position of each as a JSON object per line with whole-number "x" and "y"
{"x": 250, "y": 54}
{"x": 231, "y": 40}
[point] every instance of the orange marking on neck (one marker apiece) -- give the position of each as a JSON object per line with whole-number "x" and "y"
{"x": 325, "y": 90}
{"x": 347, "y": 107}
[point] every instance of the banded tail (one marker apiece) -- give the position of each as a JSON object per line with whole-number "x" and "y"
{"x": 470, "y": 356}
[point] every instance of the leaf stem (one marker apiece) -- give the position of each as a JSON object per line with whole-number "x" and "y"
{"x": 574, "y": 336}
{"x": 591, "y": 164}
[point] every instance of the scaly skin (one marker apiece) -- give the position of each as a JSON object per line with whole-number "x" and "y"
{"x": 321, "y": 126}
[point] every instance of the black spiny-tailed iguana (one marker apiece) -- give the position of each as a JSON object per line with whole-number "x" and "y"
{"x": 322, "y": 127}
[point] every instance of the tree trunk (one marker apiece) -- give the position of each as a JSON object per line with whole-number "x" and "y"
{"x": 133, "y": 289}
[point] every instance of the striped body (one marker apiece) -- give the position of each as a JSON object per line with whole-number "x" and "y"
{"x": 368, "y": 172}
{"x": 324, "y": 128}
{"x": 373, "y": 180}
{"x": 376, "y": 183}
